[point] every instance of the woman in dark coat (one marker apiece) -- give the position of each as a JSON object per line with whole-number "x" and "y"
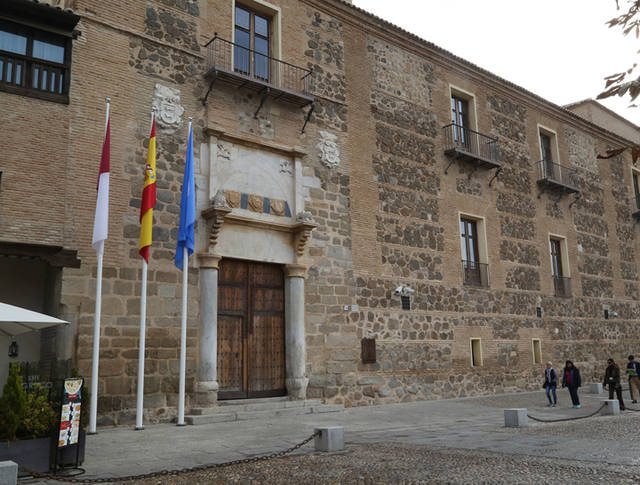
{"x": 571, "y": 380}
{"x": 550, "y": 384}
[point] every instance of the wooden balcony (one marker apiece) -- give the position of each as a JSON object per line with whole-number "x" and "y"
{"x": 461, "y": 143}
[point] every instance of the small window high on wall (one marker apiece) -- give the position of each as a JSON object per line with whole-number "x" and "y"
{"x": 537, "y": 351}
{"x": 476, "y": 352}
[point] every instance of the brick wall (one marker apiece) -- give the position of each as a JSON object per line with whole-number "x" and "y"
{"x": 387, "y": 215}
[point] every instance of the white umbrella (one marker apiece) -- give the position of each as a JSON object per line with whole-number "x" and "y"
{"x": 16, "y": 321}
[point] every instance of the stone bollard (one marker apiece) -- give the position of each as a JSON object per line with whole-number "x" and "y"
{"x": 331, "y": 438}
{"x": 516, "y": 418}
{"x": 595, "y": 388}
{"x": 8, "y": 473}
{"x": 612, "y": 407}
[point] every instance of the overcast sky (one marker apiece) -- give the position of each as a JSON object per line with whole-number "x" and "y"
{"x": 558, "y": 49}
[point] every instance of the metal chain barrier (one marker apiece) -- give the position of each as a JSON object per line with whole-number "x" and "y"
{"x": 626, "y": 408}
{"x": 164, "y": 473}
{"x": 567, "y": 419}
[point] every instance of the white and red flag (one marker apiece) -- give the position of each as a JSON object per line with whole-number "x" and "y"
{"x": 101, "y": 221}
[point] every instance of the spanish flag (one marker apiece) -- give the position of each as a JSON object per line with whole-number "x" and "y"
{"x": 148, "y": 195}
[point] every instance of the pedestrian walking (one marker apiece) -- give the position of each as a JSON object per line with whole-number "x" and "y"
{"x": 612, "y": 379}
{"x": 550, "y": 384}
{"x": 633, "y": 371}
{"x": 571, "y": 380}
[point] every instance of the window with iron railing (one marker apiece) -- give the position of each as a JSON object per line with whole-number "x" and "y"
{"x": 561, "y": 283}
{"x": 474, "y": 272}
{"x": 466, "y": 143}
{"x": 33, "y": 62}
{"x": 235, "y": 63}
{"x": 636, "y": 189}
{"x": 562, "y": 286}
{"x": 554, "y": 173}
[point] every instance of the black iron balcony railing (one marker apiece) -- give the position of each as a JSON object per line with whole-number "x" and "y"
{"x": 636, "y": 211}
{"x": 562, "y": 286}
{"x": 467, "y": 144}
{"x": 475, "y": 274}
{"x": 557, "y": 177}
{"x": 249, "y": 68}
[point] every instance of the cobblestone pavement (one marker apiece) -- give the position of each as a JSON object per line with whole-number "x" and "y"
{"x": 446, "y": 441}
{"x": 403, "y": 464}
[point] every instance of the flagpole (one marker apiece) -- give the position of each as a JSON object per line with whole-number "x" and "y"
{"x": 93, "y": 408}
{"x": 183, "y": 338}
{"x": 143, "y": 315}
{"x": 141, "y": 346}
{"x": 183, "y": 325}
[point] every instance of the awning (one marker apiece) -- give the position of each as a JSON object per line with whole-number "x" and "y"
{"x": 16, "y": 321}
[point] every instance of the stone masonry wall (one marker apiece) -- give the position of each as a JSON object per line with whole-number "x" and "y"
{"x": 388, "y": 213}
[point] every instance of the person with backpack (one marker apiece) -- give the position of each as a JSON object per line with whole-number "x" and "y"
{"x": 633, "y": 371}
{"x": 550, "y": 384}
{"x": 612, "y": 379}
{"x": 571, "y": 380}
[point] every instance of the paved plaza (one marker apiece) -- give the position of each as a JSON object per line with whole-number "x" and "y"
{"x": 445, "y": 441}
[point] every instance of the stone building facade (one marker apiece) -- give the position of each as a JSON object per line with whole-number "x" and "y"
{"x": 349, "y": 182}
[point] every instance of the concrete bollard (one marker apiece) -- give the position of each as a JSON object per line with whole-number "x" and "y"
{"x": 331, "y": 438}
{"x": 595, "y": 388}
{"x": 8, "y": 473}
{"x": 612, "y": 407}
{"x": 516, "y": 418}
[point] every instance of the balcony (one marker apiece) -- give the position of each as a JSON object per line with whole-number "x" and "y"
{"x": 249, "y": 69}
{"x": 461, "y": 143}
{"x": 556, "y": 178}
{"x": 562, "y": 286}
{"x": 475, "y": 274}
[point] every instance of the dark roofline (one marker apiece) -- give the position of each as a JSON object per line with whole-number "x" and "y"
{"x": 50, "y": 17}
{"x": 402, "y": 34}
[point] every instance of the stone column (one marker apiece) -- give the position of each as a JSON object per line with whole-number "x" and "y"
{"x": 295, "y": 348}
{"x": 207, "y": 386}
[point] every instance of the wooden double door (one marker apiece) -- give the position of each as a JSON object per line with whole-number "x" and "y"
{"x": 251, "y": 340}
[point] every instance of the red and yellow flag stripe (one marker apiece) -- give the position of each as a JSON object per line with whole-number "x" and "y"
{"x": 148, "y": 195}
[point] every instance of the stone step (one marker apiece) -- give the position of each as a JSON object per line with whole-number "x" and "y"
{"x": 239, "y": 415}
{"x": 253, "y": 405}
{"x": 256, "y": 400}
{"x": 327, "y": 408}
{"x": 210, "y": 418}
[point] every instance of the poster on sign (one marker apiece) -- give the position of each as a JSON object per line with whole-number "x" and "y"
{"x": 70, "y": 412}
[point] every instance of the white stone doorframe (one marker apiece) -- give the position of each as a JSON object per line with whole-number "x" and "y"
{"x": 295, "y": 348}
{"x": 285, "y": 238}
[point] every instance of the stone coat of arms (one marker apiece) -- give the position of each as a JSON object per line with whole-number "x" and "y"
{"x": 169, "y": 112}
{"x": 329, "y": 149}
